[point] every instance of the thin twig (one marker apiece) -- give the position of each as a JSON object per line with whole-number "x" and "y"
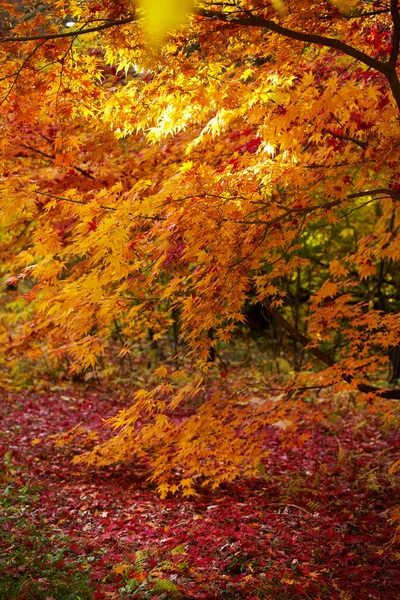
{"x": 100, "y": 205}
{"x": 53, "y": 157}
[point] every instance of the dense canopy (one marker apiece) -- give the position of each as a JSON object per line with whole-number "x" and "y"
{"x": 154, "y": 187}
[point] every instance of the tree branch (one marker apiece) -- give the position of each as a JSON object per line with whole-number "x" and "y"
{"x": 312, "y": 207}
{"x": 52, "y": 157}
{"x": 18, "y": 72}
{"x": 100, "y": 206}
{"x": 249, "y": 21}
{"x": 71, "y": 200}
{"x": 31, "y": 14}
{"x": 75, "y": 33}
{"x": 326, "y": 358}
{"x": 387, "y": 191}
{"x": 255, "y": 21}
{"x": 345, "y": 138}
{"x": 396, "y": 32}
{"x": 372, "y": 13}
{"x": 296, "y": 335}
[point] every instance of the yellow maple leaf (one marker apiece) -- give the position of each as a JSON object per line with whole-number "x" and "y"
{"x": 161, "y": 372}
{"x": 186, "y": 166}
{"x": 308, "y": 78}
{"x": 337, "y": 269}
{"x": 161, "y": 421}
{"x": 366, "y": 269}
{"x": 328, "y": 290}
{"x": 163, "y": 490}
{"x": 395, "y": 466}
{"x": 121, "y": 568}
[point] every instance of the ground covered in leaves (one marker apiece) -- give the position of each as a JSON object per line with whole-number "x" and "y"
{"x": 315, "y": 524}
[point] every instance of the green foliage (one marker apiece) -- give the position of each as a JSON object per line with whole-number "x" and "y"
{"x": 147, "y": 580}
{"x": 140, "y": 561}
{"x": 35, "y": 563}
{"x": 165, "y": 585}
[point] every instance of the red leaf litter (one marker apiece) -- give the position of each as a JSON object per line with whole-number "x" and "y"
{"x": 315, "y": 524}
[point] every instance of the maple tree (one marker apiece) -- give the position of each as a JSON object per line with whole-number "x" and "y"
{"x": 253, "y": 154}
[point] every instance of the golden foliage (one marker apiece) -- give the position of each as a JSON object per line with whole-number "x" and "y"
{"x": 256, "y": 147}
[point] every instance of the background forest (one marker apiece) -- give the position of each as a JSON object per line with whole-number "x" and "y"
{"x": 200, "y": 245}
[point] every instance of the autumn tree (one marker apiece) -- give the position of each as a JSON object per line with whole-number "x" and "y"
{"x": 250, "y": 153}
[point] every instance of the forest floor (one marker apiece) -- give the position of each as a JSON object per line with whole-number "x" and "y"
{"x": 315, "y": 525}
